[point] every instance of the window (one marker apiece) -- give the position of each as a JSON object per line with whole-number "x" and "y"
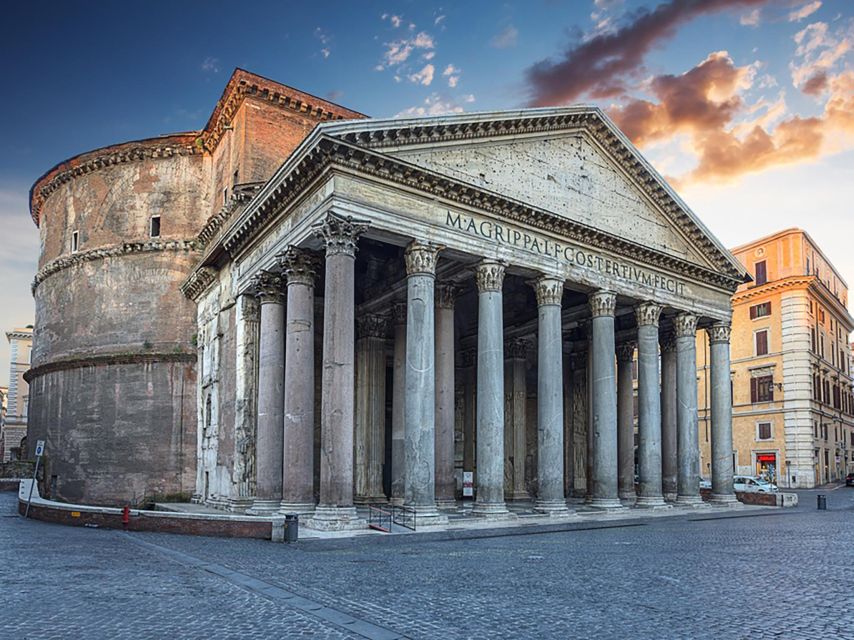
{"x": 761, "y": 338}
{"x": 762, "y": 389}
{"x": 760, "y": 273}
{"x": 154, "y": 228}
{"x": 225, "y": 196}
{"x": 234, "y": 179}
{"x": 812, "y": 339}
{"x": 760, "y": 310}
{"x": 75, "y": 242}
{"x": 763, "y": 431}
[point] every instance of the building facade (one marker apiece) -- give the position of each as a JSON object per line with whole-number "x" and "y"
{"x": 14, "y": 428}
{"x": 113, "y": 377}
{"x": 405, "y": 301}
{"x": 793, "y": 410}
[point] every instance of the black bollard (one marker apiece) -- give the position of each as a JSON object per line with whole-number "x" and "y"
{"x": 291, "y": 527}
{"x": 822, "y": 502}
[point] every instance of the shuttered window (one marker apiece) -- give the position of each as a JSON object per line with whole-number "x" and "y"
{"x": 760, "y": 310}
{"x": 761, "y": 275}
{"x": 762, "y": 389}
{"x": 761, "y": 342}
{"x": 763, "y": 431}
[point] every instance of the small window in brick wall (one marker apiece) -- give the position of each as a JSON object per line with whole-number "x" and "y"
{"x": 761, "y": 275}
{"x": 154, "y": 230}
{"x": 763, "y": 431}
{"x": 75, "y": 242}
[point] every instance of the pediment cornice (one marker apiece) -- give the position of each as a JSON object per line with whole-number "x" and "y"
{"x": 329, "y": 153}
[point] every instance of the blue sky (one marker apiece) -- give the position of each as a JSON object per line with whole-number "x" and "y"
{"x": 690, "y": 80}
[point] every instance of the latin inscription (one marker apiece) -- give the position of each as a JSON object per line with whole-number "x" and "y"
{"x": 573, "y": 256}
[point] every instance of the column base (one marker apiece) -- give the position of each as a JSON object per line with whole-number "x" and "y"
{"x": 519, "y": 496}
{"x": 397, "y": 501}
{"x": 670, "y": 497}
{"x": 264, "y": 507}
{"x": 299, "y": 508}
{"x": 606, "y": 504}
{"x": 492, "y": 511}
{"x": 628, "y": 500}
{"x": 690, "y": 502}
{"x": 724, "y": 500}
{"x": 428, "y": 516}
{"x": 553, "y": 508}
{"x": 240, "y": 505}
{"x": 335, "y": 519}
{"x": 652, "y": 502}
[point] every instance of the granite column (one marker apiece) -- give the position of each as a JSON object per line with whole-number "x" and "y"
{"x": 688, "y": 446}
{"x": 669, "y": 457}
{"x": 625, "y": 423}
{"x": 605, "y": 493}
{"x": 371, "y": 332}
{"x": 721, "y": 405}
{"x": 649, "y": 407}
{"x": 398, "y": 430}
{"x": 445, "y": 389}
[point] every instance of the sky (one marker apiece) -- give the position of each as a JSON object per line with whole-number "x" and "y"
{"x": 745, "y": 106}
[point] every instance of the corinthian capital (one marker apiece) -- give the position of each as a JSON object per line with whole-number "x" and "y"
{"x": 398, "y": 313}
{"x": 647, "y": 314}
{"x": 667, "y": 341}
{"x": 685, "y": 325}
{"x": 548, "y": 290}
{"x": 446, "y": 295}
{"x": 340, "y": 234}
{"x": 420, "y": 258}
{"x": 489, "y": 275}
{"x": 516, "y": 348}
{"x": 372, "y": 326}
{"x": 626, "y": 351}
{"x": 720, "y": 332}
{"x": 268, "y": 287}
{"x": 603, "y": 303}
{"x": 298, "y": 266}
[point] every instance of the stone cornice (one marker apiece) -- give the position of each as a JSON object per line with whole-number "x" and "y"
{"x": 108, "y": 360}
{"x": 123, "y": 249}
{"x": 179, "y": 144}
{"x": 243, "y": 84}
{"x": 327, "y": 152}
{"x": 198, "y": 282}
{"x": 403, "y": 132}
{"x": 813, "y": 283}
{"x": 240, "y": 196}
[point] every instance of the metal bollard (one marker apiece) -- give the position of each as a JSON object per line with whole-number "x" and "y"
{"x": 291, "y": 527}
{"x": 822, "y": 502}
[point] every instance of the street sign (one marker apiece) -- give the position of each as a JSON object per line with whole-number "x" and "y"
{"x": 468, "y": 484}
{"x": 39, "y": 448}
{"x": 39, "y": 453}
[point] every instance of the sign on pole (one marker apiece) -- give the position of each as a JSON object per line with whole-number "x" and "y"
{"x": 39, "y": 453}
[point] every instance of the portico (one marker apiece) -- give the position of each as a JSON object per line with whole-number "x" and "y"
{"x": 461, "y": 281}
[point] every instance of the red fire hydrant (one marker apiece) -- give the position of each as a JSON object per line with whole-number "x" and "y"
{"x": 125, "y": 517}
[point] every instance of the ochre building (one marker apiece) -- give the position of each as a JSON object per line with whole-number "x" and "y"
{"x": 793, "y": 411}
{"x": 379, "y": 308}
{"x": 13, "y": 428}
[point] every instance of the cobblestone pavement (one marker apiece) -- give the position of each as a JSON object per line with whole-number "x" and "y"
{"x": 781, "y": 575}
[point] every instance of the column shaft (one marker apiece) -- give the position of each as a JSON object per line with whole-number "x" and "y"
{"x": 445, "y": 389}
{"x": 398, "y": 431}
{"x": 688, "y": 481}
{"x": 721, "y": 405}
{"x": 298, "y": 458}
{"x": 335, "y": 509}
{"x": 515, "y": 420}
{"x": 370, "y": 408}
{"x": 551, "y": 497}
{"x": 490, "y": 391}
{"x": 420, "y": 404}
{"x": 625, "y": 423}
{"x": 649, "y": 408}
{"x": 605, "y": 493}
{"x": 669, "y": 456}
{"x": 271, "y": 371}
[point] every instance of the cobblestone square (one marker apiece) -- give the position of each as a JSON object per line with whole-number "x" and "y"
{"x": 777, "y": 574}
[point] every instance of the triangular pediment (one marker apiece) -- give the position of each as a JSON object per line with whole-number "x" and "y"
{"x": 566, "y": 174}
{"x": 572, "y": 162}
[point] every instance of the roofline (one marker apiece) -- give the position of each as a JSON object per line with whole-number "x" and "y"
{"x": 788, "y": 232}
{"x": 234, "y": 80}
{"x": 351, "y": 126}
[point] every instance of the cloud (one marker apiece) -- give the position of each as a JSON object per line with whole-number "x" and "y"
{"x": 210, "y": 65}
{"x": 805, "y": 11}
{"x": 452, "y": 73}
{"x": 395, "y": 21}
{"x": 435, "y": 105}
{"x": 601, "y": 65}
{"x": 729, "y": 137}
{"x": 439, "y": 20}
{"x": 325, "y": 39}
{"x": 750, "y": 19}
{"x": 425, "y": 76}
{"x": 398, "y": 52}
{"x": 506, "y": 38}
{"x": 818, "y": 52}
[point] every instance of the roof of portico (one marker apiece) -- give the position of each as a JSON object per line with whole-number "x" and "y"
{"x": 365, "y": 145}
